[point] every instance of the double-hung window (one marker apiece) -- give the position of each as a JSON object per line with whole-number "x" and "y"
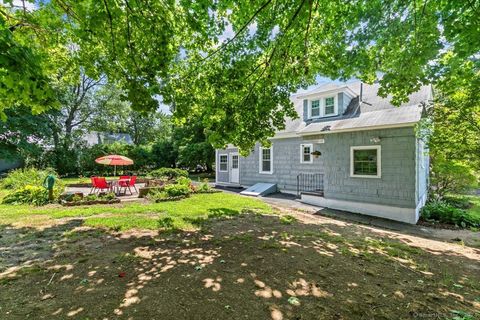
{"x": 223, "y": 162}
{"x": 306, "y": 153}
{"x": 266, "y": 160}
{"x": 365, "y": 161}
{"x": 329, "y": 106}
{"x": 315, "y": 110}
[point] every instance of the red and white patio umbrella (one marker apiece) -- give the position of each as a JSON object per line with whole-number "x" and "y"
{"x": 114, "y": 160}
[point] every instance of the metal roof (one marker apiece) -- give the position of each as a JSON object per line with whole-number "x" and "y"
{"x": 373, "y": 111}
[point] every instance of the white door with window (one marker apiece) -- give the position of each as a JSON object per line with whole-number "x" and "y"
{"x": 234, "y": 168}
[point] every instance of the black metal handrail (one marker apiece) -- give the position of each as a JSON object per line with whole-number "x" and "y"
{"x": 309, "y": 182}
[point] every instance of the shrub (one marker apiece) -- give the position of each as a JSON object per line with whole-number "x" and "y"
{"x": 91, "y": 197}
{"x": 169, "y": 173}
{"x": 28, "y": 195}
{"x": 20, "y": 178}
{"x": 205, "y": 186}
{"x": 77, "y": 198}
{"x": 443, "y": 212}
{"x": 183, "y": 181}
{"x": 107, "y": 196}
{"x": 175, "y": 190}
{"x": 450, "y": 176}
{"x": 159, "y": 196}
{"x": 460, "y": 202}
{"x": 156, "y": 195}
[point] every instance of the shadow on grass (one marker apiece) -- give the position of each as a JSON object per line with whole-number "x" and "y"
{"x": 254, "y": 267}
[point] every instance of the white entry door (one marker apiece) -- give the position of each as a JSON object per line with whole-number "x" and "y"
{"x": 234, "y": 168}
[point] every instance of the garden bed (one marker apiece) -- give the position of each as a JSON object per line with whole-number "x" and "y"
{"x": 89, "y": 203}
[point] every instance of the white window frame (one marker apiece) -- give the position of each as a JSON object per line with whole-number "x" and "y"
{"x": 220, "y": 162}
{"x": 311, "y": 116}
{"x": 335, "y": 107}
{"x": 379, "y": 161}
{"x": 322, "y": 104}
{"x": 302, "y": 152}
{"x": 260, "y": 160}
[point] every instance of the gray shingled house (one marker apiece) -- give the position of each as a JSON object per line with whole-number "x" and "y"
{"x": 349, "y": 150}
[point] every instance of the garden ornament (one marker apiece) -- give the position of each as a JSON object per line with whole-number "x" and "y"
{"x": 48, "y": 183}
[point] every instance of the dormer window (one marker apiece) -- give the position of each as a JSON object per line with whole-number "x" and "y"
{"x": 327, "y": 101}
{"x": 315, "y": 111}
{"x": 329, "y": 106}
{"x": 322, "y": 107}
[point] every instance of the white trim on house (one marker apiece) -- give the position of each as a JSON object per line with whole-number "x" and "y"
{"x": 407, "y": 215}
{"x": 302, "y": 152}
{"x": 318, "y": 92}
{"x": 387, "y": 126}
{"x": 378, "y": 148}
{"x": 286, "y": 135}
{"x": 216, "y": 166}
{"x": 231, "y": 168}
{"x": 260, "y": 160}
{"x": 220, "y": 162}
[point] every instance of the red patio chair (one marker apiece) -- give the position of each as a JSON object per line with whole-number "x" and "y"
{"x": 93, "y": 179}
{"x": 127, "y": 184}
{"x": 123, "y": 182}
{"x": 102, "y": 184}
{"x": 133, "y": 180}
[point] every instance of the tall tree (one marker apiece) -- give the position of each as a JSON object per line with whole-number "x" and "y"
{"x": 454, "y": 125}
{"x": 193, "y": 147}
{"x": 239, "y": 83}
{"x": 24, "y": 136}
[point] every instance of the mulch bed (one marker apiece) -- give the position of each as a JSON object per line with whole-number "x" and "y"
{"x": 89, "y": 203}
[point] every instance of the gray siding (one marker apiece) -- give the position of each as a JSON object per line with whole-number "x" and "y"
{"x": 223, "y": 176}
{"x": 286, "y": 164}
{"x": 396, "y": 187}
{"x": 403, "y": 178}
{"x": 343, "y": 102}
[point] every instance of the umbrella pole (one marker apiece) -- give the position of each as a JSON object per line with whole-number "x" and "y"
{"x": 115, "y": 171}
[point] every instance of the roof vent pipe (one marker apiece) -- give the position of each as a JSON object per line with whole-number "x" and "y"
{"x": 361, "y": 92}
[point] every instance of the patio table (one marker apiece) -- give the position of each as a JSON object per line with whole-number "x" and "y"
{"x": 116, "y": 184}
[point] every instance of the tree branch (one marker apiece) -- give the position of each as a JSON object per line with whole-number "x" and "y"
{"x": 243, "y": 28}
{"x": 109, "y": 14}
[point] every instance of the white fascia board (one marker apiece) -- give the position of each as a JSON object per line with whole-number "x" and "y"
{"x": 326, "y": 92}
{"x": 389, "y": 126}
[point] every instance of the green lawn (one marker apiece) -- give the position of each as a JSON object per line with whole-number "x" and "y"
{"x": 76, "y": 180}
{"x": 202, "y": 176}
{"x": 475, "y": 210}
{"x": 185, "y": 214}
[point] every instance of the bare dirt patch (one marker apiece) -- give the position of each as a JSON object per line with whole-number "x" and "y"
{"x": 250, "y": 267}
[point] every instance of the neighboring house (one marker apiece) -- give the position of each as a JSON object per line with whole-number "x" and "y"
{"x": 6, "y": 165}
{"x": 349, "y": 150}
{"x": 94, "y": 138}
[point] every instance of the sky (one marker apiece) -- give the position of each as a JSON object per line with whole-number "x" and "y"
{"x": 19, "y": 3}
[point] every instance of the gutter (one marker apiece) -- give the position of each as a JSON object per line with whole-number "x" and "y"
{"x": 388, "y": 126}
{"x": 315, "y": 133}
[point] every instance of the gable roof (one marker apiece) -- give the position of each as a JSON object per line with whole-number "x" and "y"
{"x": 373, "y": 111}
